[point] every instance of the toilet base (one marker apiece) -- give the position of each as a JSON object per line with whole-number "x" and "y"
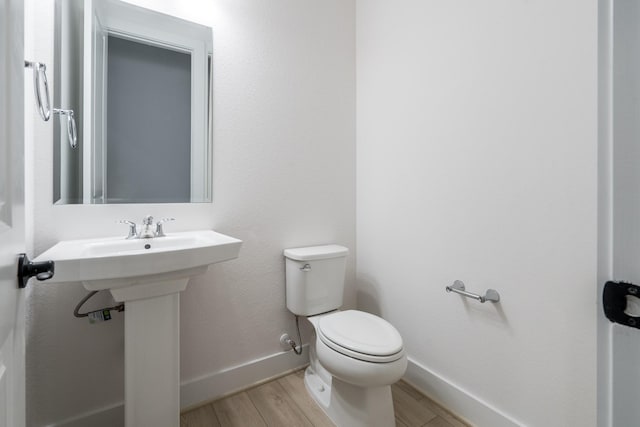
{"x": 351, "y": 406}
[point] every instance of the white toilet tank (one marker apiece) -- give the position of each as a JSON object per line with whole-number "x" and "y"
{"x": 315, "y": 278}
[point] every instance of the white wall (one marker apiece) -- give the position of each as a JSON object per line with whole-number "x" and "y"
{"x": 477, "y": 160}
{"x": 284, "y": 176}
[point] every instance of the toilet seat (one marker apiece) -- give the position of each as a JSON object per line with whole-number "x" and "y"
{"x": 361, "y": 336}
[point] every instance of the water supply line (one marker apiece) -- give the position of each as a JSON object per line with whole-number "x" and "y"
{"x": 76, "y": 311}
{"x": 286, "y": 340}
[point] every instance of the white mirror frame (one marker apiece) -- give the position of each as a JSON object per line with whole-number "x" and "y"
{"x": 111, "y": 17}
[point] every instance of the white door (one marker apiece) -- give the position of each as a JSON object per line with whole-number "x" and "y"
{"x": 12, "y": 236}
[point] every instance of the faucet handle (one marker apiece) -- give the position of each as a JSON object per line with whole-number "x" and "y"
{"x": 133, "y": 231}
{"x": 159, "y": 230}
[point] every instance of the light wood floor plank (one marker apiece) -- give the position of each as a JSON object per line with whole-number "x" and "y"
{"x": 400, "y": 423}
{"x": 409, "y": 410}
{"x": 295, "y": 388}
{"x": 442, "y": 413}
{"x": 204, "y": 416}
{"x": 438, "y": 422}
{"x": 431, "y": 405}
{"x": 410, "y": 390}
{"x": 276, "y": 407}
{"x": 285, "y": 402}
{"x": 238, "y": 411}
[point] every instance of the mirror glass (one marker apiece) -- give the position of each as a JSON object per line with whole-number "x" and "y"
{"x": 132, "y": 105}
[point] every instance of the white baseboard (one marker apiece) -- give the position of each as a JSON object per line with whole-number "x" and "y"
{"x": 198, "y": 391}
{"x": 462, "y": 403}
{"x": 108, "y": 416}
{"x": 213, "y": 386}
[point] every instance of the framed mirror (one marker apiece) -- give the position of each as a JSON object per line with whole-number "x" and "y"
{"x": 139, "y": 85}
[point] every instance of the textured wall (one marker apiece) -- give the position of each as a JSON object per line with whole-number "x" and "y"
{"x": 284, "y": 176}
{"x": 477, "y": 160}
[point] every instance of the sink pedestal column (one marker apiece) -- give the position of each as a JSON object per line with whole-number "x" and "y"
{"x": 152, "y": 359}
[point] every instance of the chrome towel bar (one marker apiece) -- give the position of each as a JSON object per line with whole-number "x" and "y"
{"x": 44, "y": 108}
{"x": 458, "y": 287}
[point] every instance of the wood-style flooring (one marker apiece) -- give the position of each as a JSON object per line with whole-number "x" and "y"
{"x": 285, "y": 402}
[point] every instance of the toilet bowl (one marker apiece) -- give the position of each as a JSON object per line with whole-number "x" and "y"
{"x": 359, "y": 348}
{"x": 354, "y": 359}
{"x": 354, "y": 356}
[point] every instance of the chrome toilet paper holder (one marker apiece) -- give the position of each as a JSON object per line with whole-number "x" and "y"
{"x": 458, "y": 287}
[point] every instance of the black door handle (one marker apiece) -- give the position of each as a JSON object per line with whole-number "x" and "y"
{"x": 26, "y": 269}
{"x": 614, "y": 302}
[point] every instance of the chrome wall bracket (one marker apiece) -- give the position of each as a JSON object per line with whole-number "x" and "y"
{"x": 458, "y": 288}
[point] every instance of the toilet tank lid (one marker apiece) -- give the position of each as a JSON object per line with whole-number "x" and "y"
{"x": 316, "y": 252}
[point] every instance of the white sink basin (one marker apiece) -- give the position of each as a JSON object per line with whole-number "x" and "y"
{"x": 115, "y": 263}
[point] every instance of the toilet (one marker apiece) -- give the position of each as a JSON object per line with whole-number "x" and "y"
{"x": 354, "y": 356}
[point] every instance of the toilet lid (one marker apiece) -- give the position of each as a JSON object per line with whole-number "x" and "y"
{"x": 361, "y": 332}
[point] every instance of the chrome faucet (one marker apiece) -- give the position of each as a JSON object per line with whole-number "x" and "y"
{"x": 148, "y": 230}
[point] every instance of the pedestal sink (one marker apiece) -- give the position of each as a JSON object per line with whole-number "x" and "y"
{"x": 148, "y": 275}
